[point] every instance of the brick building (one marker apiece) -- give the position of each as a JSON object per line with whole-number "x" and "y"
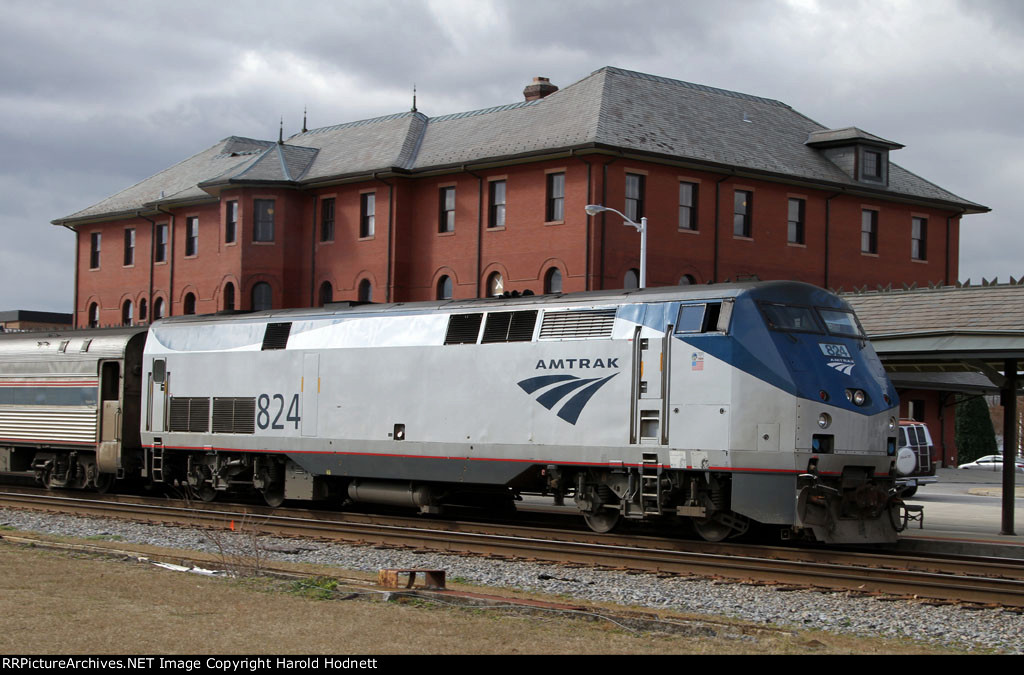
{"x": 407, "y": 207}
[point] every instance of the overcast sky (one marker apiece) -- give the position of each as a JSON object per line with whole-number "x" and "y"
{"x": 97, "y": 95}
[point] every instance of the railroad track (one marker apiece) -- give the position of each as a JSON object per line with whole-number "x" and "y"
{"x": 996, "y": 582}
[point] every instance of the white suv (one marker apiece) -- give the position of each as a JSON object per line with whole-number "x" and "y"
{"x": 915, "y": 437}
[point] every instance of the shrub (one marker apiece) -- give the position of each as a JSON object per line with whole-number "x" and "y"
{"x": 975, "y": 436}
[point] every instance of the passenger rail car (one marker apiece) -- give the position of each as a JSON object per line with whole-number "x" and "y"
{"x": 68, "y": 404}
{"x": 721, "y": 405}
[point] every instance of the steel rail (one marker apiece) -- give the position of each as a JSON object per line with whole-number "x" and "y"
{"x": 985, "y": 582}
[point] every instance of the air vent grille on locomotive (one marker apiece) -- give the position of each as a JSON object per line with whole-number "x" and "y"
{"x": 509, "y": 326}
{"x": 576, "y": 323}
{"x": 463, "y": 329}
{"x": 234, "y": 415}
{"x": 191, "y": 414}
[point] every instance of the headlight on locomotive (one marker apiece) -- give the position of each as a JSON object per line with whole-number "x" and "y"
{"x": 824, "y": 420}
{"x": 857, "y": 396}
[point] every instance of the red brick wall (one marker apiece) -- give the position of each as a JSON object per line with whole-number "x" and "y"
{"x": 939, "y": 415}
{"x": 406, "y": 233}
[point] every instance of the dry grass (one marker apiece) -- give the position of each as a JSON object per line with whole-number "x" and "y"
{"x": 52, "y": 602}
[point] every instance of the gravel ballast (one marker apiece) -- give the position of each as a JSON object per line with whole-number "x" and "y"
{"x": 945, "y": 625}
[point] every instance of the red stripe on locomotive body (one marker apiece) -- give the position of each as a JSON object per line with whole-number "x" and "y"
{"x": 44, "y": 383}
{"x": 733, "y": 469}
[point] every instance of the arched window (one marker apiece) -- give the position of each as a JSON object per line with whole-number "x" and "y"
{"x": 444, "y": 288}
{"x": 158, "y": 309}
{"x": 365, "y": 291}
{"x": 229, "y": 296}
{"x": 495, "y": 285}
{"x": 262, "y": 296}
{"x": 553, "y": 281}
{"x": 687, "y": 280}
{"x": 326, "y": 293}
{"x": 94, "y": 315}
{"x": 142, "y": 310}
{"x": 190, "y": 303}
{"x": 632, "y": 280}
{"x": 126, "y": 313}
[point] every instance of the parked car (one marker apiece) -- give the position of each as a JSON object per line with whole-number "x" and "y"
{"x": 991, "y": 463}
{"x": 915, "y": 437}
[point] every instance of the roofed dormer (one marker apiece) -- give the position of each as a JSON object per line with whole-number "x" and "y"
{"x": 863, "y": 156}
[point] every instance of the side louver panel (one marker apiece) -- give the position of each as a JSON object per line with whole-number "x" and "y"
{"x": 234, "y": 415}
{"x": 190, "y": 414}
{"x": 276, "y": 335}
{"x": 463, "y": 329}
{"x": 509, "y": 326}
{"x": 578, "y": 323}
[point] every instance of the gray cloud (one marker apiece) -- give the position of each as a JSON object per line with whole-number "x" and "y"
{"x": 96, "y": 96}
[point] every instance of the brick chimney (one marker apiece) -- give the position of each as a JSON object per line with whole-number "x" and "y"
{"x": 540, "y": 88}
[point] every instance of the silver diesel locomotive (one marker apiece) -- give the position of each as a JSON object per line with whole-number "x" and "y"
{"x": 724, "y": 406}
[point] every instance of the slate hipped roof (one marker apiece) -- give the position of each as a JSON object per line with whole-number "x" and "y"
{"x": 611, "y": 109}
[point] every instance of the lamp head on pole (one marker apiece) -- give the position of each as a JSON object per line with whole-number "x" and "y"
{"x": 594, "y": 209}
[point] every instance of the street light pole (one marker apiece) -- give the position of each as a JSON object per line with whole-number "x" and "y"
{"x": 641, "y": 227}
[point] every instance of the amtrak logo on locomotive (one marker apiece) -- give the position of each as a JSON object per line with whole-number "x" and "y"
{"x": 552, "y": 364}
{"x": 839, "y": 357}
{"x": 554, "y": 388}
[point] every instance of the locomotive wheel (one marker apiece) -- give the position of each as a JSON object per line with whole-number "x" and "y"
{"x": 273, "y": 495}
{"x": 103, "y": 483}
{"x": 204, "y": 493}
{"x": 720, "y": 525}
{"x": 710, "y": 529}
{"x": 603, "y": 520}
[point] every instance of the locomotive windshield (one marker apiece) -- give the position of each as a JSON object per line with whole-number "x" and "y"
{"x": 793, "y": 318}
{"x": 790, "y": 318}
{"x": 841, "y": 322}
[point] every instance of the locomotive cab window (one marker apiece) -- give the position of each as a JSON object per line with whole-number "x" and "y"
{"x": 790, "y": 318}
{"x": 841, "y": 322}
{"x": 701, "y": 318}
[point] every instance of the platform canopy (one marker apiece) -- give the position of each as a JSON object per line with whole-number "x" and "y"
{"x": 965, "y": 331}
{"x": 953, "y": 338}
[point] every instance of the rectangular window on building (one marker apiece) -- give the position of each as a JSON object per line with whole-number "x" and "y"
{"x": 872, "y": 164}
{"x": 191, "y": 236}
{"x": 94, "y": 251}
{"x": 556, "y": 197}
{"x": 230, "y": 222}
{"x": 160, "y": 252}
{"x": 496, "y": 212}
{"x": 129, "y": 246}
{"x": 687, "y": 206}
{"x": 327, "y": 220}
{"x": 869, "y": 231}
{"x": 919, "y": 239}
{"x": 446, "y": 221}
{"x": 743, "y": 206}
{"x": 795, "y": 228}
{"x": 263, "y": 225}
{"x": 634, "y": 197}
{"x": 367, "y": 213}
